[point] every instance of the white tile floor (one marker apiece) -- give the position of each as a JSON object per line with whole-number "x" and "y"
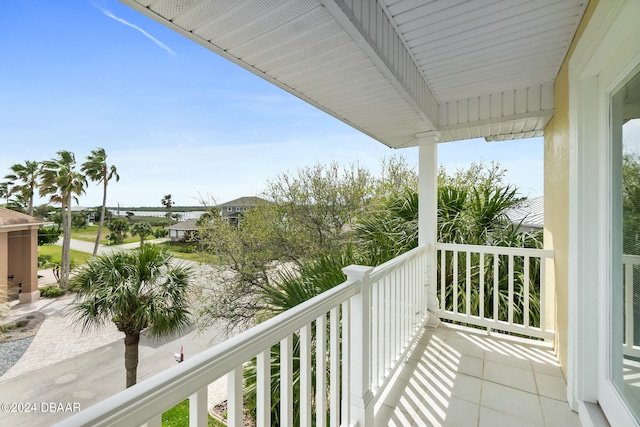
{"x": 462, "y": 377}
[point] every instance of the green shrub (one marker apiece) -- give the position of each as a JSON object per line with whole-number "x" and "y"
{"x": 45, "y": 261}
{"x": 52, "y": 291}
{"x": 160, "y": 233}
{"x": 48, "y": 235}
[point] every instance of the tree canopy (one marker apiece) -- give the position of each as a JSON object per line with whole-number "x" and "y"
{"x": 139, "y": 290}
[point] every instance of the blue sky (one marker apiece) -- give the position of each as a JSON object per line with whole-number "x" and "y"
{"x": 174, "y": 117}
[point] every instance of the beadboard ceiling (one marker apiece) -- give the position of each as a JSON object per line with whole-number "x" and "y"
{"x": 395, "y": 69}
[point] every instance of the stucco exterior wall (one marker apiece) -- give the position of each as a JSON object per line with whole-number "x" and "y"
{"x": 22, "y": 261}
{"x": 556, "y": 196}
{"x": 4, "y": 265}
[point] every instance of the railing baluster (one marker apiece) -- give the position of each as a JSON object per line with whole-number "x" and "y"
{"x": 305, "y": 375}
{"x": 397, "y": 279}
{"x": 468, "y": 285}
{"x": 234, "y": 398}
{"x": 321, "y": 371}
{"x": 375, "y": 328}
{"x": 387, "y": 327}
{"x": 525, "y": 284}
{"x": 346, "y": 363}
{"x": 455, "y": 281}
{"x": 263, "y": 388}
{"x": 411, "y": 281}
{"x": 443, "y": 278}
{"x": 481, "y": 284}
{"x": 496, "y": 286}
{"x": 628, "y": 305}
{"x": 543, "y": 294}
{"x": 198, "y": 411}
{"x": 401, "y": 310}
{"x": 510, "y": 296}
{"x": 286, "y": 382}
{"x": 393, "y": 336}
{"x": 334, "y": 361}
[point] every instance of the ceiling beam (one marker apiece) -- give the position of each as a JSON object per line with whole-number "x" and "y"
{"x": 374, "y": 33}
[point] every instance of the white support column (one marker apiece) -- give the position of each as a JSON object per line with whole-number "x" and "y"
{"x": 428, "y": 214}
{"x": 361, "y": 395}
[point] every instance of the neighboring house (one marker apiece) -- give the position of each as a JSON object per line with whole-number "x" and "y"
{"x": 412, "y": 73}
{"x": 89, "y": 213}
{"x": 529, "y": 214}
{"x": 19, "y": 255}
{"x": 183, "y": 230}
{"x": 235, "y": 209}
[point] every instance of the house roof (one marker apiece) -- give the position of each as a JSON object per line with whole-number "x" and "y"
{"x": 243, "y": 201}
{"x": 9, "y": 218}
{"x": 187, "y": 225}
{"x": 530, "y": 213}
{"x": 397, "y": 70}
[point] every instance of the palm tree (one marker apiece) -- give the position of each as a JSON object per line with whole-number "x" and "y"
{"x": 96, "y": 169}
{"x": 24, "y": 180}
{"x": 168, "y": 204}
{"x": 62, "y": 183}
{"x": 142, "y": 229}
{"x": 139, "y": 290}
{"x": 4, "y": 191}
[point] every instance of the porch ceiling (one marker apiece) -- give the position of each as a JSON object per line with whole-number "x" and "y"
{"x": 396, "y": 68}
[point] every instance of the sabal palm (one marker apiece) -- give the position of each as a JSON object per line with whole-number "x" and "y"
{"x": 390, "y": 230}
{"x": 168, "y": 204}
{"x": 60, "y": 180}
{"x": 24, "y": 179}
{"x": 139, "y": 290}
{"x": 97, "y": 170}
{"x": 290, "y": 289}
{"x": 5, "y": 191}
{"x": 141, "y": 229}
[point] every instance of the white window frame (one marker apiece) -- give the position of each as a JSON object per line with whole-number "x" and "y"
{"x": 606, "y": 54}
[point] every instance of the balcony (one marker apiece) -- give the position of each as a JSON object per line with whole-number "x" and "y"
{"x": 368, "y": 352}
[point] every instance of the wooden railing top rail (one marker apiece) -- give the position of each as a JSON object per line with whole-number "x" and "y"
{"x": 384, "y": 269}
{"x": 497, "y": 250}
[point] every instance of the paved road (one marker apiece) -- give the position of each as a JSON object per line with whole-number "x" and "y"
{"x": 65, "y": 366}
{"x": 82, "y": 246}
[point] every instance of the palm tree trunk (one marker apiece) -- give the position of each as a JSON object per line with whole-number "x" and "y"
{"x": 66, "y": 246}
{"x": 131, "y": 341}
{"x": 102, "y": 213}
{"x": 31, "y": 199}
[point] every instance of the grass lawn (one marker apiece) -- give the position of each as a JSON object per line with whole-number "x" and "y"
{"x": 89, "y": 234}
{"x": 178, "y": 416}
{"x": 175, "y": 250}
{"x": 55, "y": 252}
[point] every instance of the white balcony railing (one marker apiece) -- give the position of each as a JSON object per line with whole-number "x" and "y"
{"x": 358, "y": 332}
{"x": 499, "y": 288}
{"x": 630, "y": 262}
